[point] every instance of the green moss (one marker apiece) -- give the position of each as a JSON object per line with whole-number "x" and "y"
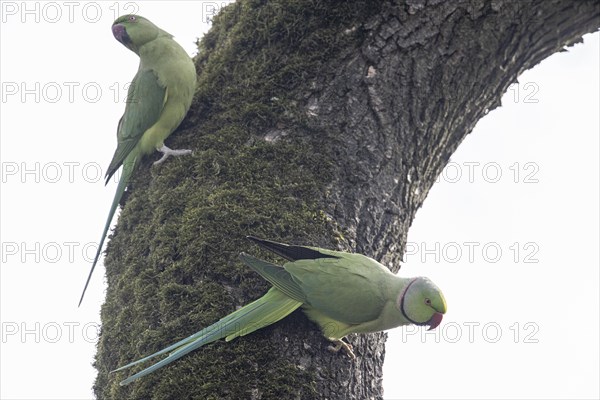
{"x": 172, "y": 264}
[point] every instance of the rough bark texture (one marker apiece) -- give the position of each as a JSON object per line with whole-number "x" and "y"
{"x": 321, "y": 123}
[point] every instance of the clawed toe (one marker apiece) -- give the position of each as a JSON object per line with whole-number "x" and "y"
{"x": 170, "y": 152}
{"x": 339, "y": 344}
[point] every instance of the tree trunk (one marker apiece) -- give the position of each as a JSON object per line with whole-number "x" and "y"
{"x": 317, "y": 123}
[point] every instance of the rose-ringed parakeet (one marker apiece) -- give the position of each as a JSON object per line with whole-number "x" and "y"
{"x": 158, "y": 99}
{"x": 341, "y": 292}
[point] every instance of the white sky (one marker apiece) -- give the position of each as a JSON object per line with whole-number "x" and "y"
{"x": 516, "y": 254}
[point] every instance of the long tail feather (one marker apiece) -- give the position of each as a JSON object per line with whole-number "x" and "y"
{"x": 265, "y": 311}
{"x": 128, "y": 168}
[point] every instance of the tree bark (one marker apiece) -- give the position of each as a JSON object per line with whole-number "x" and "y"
{"x": 317, "y": 123}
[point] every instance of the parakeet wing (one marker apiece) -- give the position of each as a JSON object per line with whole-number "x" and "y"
{"x": 291, "y": 252}
{"x": 276, "y": 275}
{"x": 349, "y": 289}
{"x": 145, "y": 100}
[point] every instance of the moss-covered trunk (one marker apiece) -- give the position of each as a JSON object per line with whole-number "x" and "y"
{"x": 321, "y": 123}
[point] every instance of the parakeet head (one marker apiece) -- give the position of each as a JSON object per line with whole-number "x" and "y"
{"x": 422, "y": 303}
{"x": 134, "y": 31}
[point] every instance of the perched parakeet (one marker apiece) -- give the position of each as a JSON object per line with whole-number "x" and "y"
{"x": 341, "y": 292}
{"x": 158, "y": 99}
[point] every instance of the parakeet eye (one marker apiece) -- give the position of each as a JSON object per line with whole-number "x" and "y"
{"x": 427, "y": 301}
{"x": 132, "y": 17}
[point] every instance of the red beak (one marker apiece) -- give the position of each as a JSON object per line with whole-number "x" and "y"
{"x": 435, "y": 320}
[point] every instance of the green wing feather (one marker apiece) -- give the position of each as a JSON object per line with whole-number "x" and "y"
{"x": 349, "y": 289}
{"x": 276, "y": 275}
{"x": 145, "y": 101}
{"x": 265, "y": 311}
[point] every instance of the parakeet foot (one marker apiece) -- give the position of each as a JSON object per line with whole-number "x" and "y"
{"x": 339, "y": 344}
{"x": 170, "y": 152}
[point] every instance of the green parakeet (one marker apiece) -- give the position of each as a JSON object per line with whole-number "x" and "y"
{"x": 341, "y": 292}
{"x": 158, "y": 99}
